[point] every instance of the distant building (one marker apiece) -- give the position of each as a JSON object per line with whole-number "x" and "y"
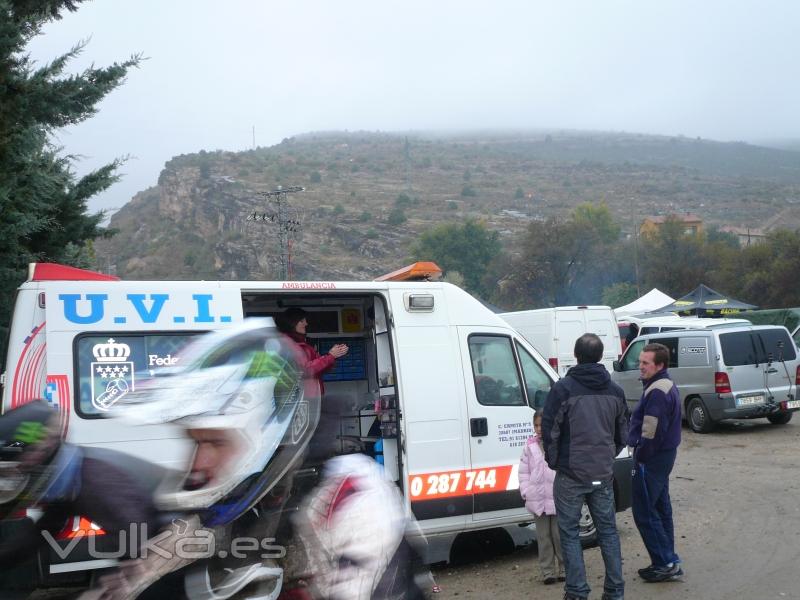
{"x": 692, "y": 223}
{"x": 747, "y": 236}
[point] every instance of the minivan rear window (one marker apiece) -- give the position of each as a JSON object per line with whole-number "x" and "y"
{"x": 738, "y": 349}
{"x": 777, "y": 344}
{"x": 756, "y": 347}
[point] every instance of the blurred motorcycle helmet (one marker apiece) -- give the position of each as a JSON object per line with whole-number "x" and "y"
{"x": 34, "y": 465}
{"x": 244, "y": 383}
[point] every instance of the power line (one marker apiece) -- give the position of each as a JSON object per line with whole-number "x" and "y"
{"x": 287, "y": 221}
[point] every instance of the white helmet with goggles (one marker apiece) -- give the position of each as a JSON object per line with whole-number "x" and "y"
{"x": 243, "y": 384}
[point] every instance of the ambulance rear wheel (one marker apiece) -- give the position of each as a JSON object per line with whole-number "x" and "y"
{"x": 587, "y": 532}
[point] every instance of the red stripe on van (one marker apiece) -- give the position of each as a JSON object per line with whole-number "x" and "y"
{"x": 57, "y": 272}
{"x": 16, "y": 399}
{"x": 34, "y": 378}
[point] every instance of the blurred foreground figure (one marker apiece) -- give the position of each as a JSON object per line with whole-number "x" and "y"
{"x": 239, "y": 396}
{"x": 360, "y": 543}
{"x": 59, "y": 480}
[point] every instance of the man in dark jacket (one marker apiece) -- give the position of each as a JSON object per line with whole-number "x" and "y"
{"x": 584, "y": 427}
{"x": 655, "y": 434}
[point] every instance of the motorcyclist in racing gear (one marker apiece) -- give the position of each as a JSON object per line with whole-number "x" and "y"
{"x": 60, "y": 480}
{"x": 239, "y": 396}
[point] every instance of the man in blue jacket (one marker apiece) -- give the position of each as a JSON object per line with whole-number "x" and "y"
{"x": 584, "y": 427}
{"x": 655, "y": 434}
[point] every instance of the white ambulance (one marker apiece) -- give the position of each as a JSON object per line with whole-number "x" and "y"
{"x": 453, "y": 383}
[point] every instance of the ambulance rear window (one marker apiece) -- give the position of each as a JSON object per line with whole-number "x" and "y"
{"x": 108, "y": 366}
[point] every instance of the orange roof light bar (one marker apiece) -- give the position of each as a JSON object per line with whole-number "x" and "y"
{"x": 419, "y": 271}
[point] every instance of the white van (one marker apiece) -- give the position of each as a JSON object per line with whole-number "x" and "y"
{"x": 662, "y": 322}
{"x": 553, "y": 332}
{"x": 453, "y": 382}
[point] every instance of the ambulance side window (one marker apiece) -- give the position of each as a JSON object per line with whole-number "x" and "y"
{"x": 494, "y": 370}
{"x": 537, "y": 382}
{"x": 109, "y": 366}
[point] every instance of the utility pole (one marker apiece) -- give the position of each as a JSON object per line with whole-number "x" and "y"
{"x": 407, "y": 163}
{"x": 288, "y": 225}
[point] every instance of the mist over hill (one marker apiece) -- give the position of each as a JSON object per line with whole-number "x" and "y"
{"x": 369, "y": 194}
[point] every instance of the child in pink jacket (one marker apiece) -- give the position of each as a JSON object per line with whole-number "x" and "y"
{"x": 536, "y": 487}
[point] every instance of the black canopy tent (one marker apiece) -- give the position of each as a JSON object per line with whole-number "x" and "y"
{"x": 705, "y": 302}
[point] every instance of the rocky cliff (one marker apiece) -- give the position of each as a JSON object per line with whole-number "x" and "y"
{"x": 368, "y": 195}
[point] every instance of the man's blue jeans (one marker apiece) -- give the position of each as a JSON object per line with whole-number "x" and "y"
{"x": 652, "y": 509}
{"x": 569, "y": 497}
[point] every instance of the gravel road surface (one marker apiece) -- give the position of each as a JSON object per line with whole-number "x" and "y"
{"x": 736, "y": 497}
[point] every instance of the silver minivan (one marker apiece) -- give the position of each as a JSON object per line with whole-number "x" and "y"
{"x": 733, "y": 372}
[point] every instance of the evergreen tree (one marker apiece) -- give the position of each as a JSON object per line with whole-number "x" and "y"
{"x": 42, "y": 203}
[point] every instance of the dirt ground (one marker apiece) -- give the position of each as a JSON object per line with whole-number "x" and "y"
{"x": 736, "y": 498}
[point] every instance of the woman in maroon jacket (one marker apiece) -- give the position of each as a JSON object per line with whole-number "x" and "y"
{"x": 293, "y": 322}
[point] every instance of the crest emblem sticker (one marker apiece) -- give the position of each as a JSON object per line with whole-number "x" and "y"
{"x": 112, "y": 374}
{"x": 300, "y": 421}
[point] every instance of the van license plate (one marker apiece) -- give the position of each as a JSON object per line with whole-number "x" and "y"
{"x": 750, "y": 400}
{"x": 793, "y": 404}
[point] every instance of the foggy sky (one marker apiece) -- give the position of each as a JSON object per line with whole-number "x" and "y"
{"x": 723, "y": 70}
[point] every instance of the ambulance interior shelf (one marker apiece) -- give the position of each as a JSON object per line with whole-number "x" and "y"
{"x": 374, "y": 430}
{"x": 350, "y": 367}
{"x": 372, "y": 422}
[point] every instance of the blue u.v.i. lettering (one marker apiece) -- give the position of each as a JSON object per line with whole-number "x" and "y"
{"x": 203, "y": 309}
{"x": 96, "y": 308}
{"x": 151, "y": 315}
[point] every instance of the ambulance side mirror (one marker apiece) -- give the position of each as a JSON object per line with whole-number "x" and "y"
{"x": 617, "y": 366}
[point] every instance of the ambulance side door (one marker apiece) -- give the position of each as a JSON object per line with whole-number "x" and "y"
{"x": 499, "y": 420}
